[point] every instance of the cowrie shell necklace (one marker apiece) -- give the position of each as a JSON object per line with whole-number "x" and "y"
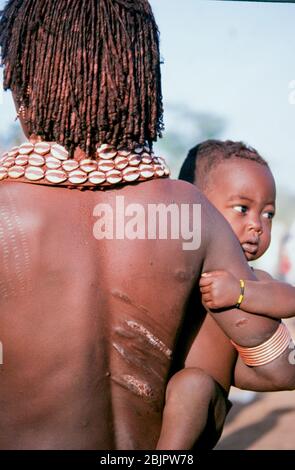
{"x": 49, "y": 164}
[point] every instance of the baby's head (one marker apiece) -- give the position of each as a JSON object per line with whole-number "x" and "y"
{"x": 239, "y": 183}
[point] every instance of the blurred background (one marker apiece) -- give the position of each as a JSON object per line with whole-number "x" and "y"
{"x": 229, "y": 72}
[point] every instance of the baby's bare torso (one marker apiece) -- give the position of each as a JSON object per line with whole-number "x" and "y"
{"x": 87, "y": 326}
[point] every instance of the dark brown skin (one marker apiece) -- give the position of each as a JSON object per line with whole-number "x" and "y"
{"x": 195, "y": 405}
{"x": 244, "y": 192}
{"x": 61, "y": 317}
{"x": 69, "y": 353}
{"x": 66, "y": 299}
{"x": 268, "y": 297}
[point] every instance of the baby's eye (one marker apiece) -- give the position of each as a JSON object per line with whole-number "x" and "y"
{"x": 241, "y": 208}
{"x": 268, "y": 215}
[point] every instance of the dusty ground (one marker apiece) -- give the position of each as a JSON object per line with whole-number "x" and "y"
{"x": 267, "y": 422}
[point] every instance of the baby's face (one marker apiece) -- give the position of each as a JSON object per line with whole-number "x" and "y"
{"x": 244, "y": 192}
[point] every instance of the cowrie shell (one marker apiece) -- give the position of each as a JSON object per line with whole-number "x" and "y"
{"x": 147, "y": 174}
{"x": 131, "y": 174}
{"x": 96, "y": 177}
{"x": 159, "y": 170}
{"x": 88, "y": 165}
{"x": 144, "y": 166}
{"x": 36, "y": 160}
{"x": 3, "y": 173}
{"x": 59, "y": 152}
{"x": 166, "y": 171}
{"x": 55, "y": 176}
{"x": 121, "y": 162}
{"x": 146, "y": 158}
{"x": 25, "y": 149}
{"x": 146, "y": 171}
{"x": 114, "y": 176}
{"x": 77, "y": 177}
{"x": 3, "y": 157}
{"x": 104, "y": 148}
{"x": 138, "y": 150}
{"x": 134, "y": 160}
{"x": 42, "y": 148}
{"x": 70, "y": 165}
{"x": 53, "y": 163}
{"x": 8, "y": 162}
{"x": 106, "y": 165}
{"x": 108, "y": 155}
{"x": 16, "y": 172}
{"x": 34, "y": 173}
{"x": 124, "y": 153}
{"x": 13, "y": 152}
{"x": 21, "y": 160}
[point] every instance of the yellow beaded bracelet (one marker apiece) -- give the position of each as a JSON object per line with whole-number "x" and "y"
{"x": 241, "y": 297}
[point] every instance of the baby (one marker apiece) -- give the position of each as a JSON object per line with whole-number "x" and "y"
{"x": 239, "y": 183}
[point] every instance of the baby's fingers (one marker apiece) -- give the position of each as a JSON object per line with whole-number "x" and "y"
{"x": 205, "y": 289}
{"x": 206, "y": 298}
{"x": 205, "y": 281}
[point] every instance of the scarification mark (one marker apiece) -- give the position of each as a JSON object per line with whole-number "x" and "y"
{"x": 7, "y": 285}
{"x": 121, "y": 296}
{"x": 182, "y": 276}
{"x": 151, "y": 338}
{"x": 27, "y": 262}
{"x": 134, "y": 360}
{"x": 129, "y": 357}
{"x": 125, "y": 298}
{"x": 15, "y": 252}
{"x": 138, "y": 387}
{"x": 241, "y": 322}
{"x": 142, "y": 330}
{"x": 124, "y": 333}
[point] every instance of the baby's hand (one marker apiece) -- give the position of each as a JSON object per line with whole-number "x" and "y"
{"x": 219, "y": 289}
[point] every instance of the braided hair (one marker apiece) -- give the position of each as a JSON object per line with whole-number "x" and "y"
{"x": 87, "y": 71}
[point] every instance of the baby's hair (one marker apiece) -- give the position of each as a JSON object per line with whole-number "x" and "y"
{"x": 87, "y": 71}
{"x": 202, "y": 158}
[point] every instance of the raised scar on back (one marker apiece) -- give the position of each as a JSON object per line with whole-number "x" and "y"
{"x": 152, "y": 339}
{"x": 148, "y": 356}
{"x": 15, "y": 257}
{"x": 126, "y": 299}
{"x": 137, "y": 386}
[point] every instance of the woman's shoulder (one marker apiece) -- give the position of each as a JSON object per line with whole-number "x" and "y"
{"x": 262, "y": 275}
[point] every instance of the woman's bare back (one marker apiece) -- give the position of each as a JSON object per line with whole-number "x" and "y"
{"x": 88, "y": 326}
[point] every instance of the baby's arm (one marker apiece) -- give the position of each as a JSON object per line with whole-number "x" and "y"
{"x": 268, "y": 297}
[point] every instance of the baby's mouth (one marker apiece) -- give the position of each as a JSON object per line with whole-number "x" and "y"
{"x": 250, "y": 247}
